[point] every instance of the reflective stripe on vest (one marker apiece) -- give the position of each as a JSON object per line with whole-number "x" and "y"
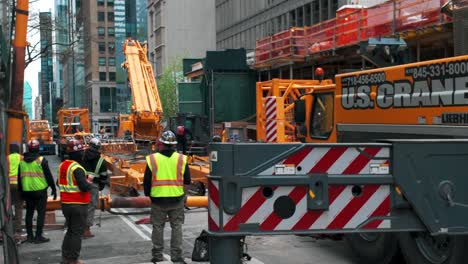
{"x": 167, "y": 174}
{"x": 32, "y": 175}
{"x": 14, "y": 160}
{"x": 95, "y": 173}
{"x": 69, "y": 191}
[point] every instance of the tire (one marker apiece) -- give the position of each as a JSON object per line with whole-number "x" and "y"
{"x": 373, "y": 248}
{"x": 422, "y": 248}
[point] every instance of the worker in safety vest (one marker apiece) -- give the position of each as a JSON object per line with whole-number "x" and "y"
{"x": 165, "y": 175}
{"x": 34, "y": 177}
{"x": 75, "y": 197}
{"x": 96, "y": 170}
{"x": 13, "y": 164}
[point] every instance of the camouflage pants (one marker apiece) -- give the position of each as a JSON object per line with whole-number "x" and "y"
{"x": 159, "y": 214}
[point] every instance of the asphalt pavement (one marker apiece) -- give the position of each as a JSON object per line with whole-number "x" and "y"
{"x": 120, "y": 241}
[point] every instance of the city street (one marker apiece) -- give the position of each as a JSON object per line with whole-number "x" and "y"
{"x": 119, "y": 240}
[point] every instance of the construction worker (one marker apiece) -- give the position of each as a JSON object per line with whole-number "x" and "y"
{"x": 183, "y": 136}
{"x": 13, "y": 164}
{"x": 96, "y": 170}
{"x": 165, "y": 175}
{"x": 34, "y": 177}
{"x": 75, "y": 197}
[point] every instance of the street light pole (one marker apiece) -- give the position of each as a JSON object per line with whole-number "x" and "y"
{"x": 50, "y": 103}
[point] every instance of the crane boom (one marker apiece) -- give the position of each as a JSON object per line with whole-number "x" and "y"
{"x": 146, "y": 108}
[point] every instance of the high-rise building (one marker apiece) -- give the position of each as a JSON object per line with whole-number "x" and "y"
{"x": 28, "y": 99}
{"x": 180, "y": 28}
{"x": 106, "y": 24}
{"x": 46, "y": 88}
{"x": 37, "y": 108}
{"x": 62, "y": 44}
{"x": 240, "y": 23}
{"x": 130, "y": 22}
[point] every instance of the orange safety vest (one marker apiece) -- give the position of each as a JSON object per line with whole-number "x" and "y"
{"x": 69, "y": 191}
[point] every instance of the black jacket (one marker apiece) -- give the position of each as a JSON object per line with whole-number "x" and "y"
{"x": 147, "y": 181}
{"x": 30, "y": 157}
{"x": 80, "y": 177}
{"x": 90, "y": 161}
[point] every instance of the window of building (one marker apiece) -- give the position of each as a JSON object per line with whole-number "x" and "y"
{"x": 107, "y": 99}
{"x": 101, "y": 31}
{"x": 111, "y": 31}
{"x": 100, "y": 2}
{"x": 111, "y": 47}
{"x": 315, "y": 12}
{"x": 102, "y": 76}
{"x": 110, "y": 2}
{"x": 112, "y": 76}
{"x": 102, "y": 61}
{"x": 102, "y": 47}
{"x": 110, "y": 16}
{"x": 111, "y": 61}
{"x": 308, "y": 14}
{"x": 100, "y": 16}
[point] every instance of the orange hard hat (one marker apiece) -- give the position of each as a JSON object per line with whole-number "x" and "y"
{"x": 319, "y": 71}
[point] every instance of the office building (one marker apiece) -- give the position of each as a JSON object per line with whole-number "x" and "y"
{"x": 179, "y": 29}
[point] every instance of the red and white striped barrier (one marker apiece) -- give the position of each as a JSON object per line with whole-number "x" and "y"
{"x": 346, "y": 211}
{"x": 271, "y": 128}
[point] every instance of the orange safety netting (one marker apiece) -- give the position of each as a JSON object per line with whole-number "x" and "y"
{"x": 351, "y": 25}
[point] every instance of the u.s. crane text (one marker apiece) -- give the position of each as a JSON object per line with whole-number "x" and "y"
{"x": 427, "y": 86}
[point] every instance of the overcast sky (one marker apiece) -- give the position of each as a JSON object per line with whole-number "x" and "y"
{"x": 30, "y": 74}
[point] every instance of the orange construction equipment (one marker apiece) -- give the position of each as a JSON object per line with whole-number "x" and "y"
{"x": 72, "y": 121}
{"x": 40, "y": 130}
{"x": 106, "y": 202}
{"x": 418, "y": 99}
{"x": 146, "y": 108}
{"x": 275, "y": 107}
{"x": 412, "y": 101}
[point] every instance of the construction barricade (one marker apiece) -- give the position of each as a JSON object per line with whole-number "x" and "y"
{"x": 274, "y": 189}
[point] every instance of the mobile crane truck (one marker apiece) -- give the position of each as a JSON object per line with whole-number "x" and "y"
{"x": 403, "y": 193}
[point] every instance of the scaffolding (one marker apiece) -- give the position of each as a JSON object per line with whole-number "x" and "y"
{"x": 353, "y": 24}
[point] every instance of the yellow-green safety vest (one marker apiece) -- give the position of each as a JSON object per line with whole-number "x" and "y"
{"x": 167, "y": 174}
{"x": 13, "y": 164}
{"x": 32, "y": 175}
{"x": 95, "y": 173}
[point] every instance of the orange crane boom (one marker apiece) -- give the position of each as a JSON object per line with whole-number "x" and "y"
{"x": 146, "y": 108}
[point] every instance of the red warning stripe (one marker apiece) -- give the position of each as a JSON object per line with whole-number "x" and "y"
{"x": 247, "y": 210}
{"x": 273, "y": 219}
{"x": 361, "y": 160}
{"x": 311, "y": 216}
{"x": 213, "y": 192}
{"x": 353, "y": 207}
{"x": 334, "y": 190}
{"x": 382, "y": 210}
{"x": 212, "y": 226}
{"x": 328, "y": 160}
{"x": 252, "y": 205}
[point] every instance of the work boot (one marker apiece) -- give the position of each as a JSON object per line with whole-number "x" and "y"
{"x": 29, "y": 238}
{"x": 156, "y": 260}
{"x": 87, "y": 233}
{"x": 40, "y": 239}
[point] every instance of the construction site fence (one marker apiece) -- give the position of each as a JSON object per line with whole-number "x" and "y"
{"x": 351, "y": 25}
